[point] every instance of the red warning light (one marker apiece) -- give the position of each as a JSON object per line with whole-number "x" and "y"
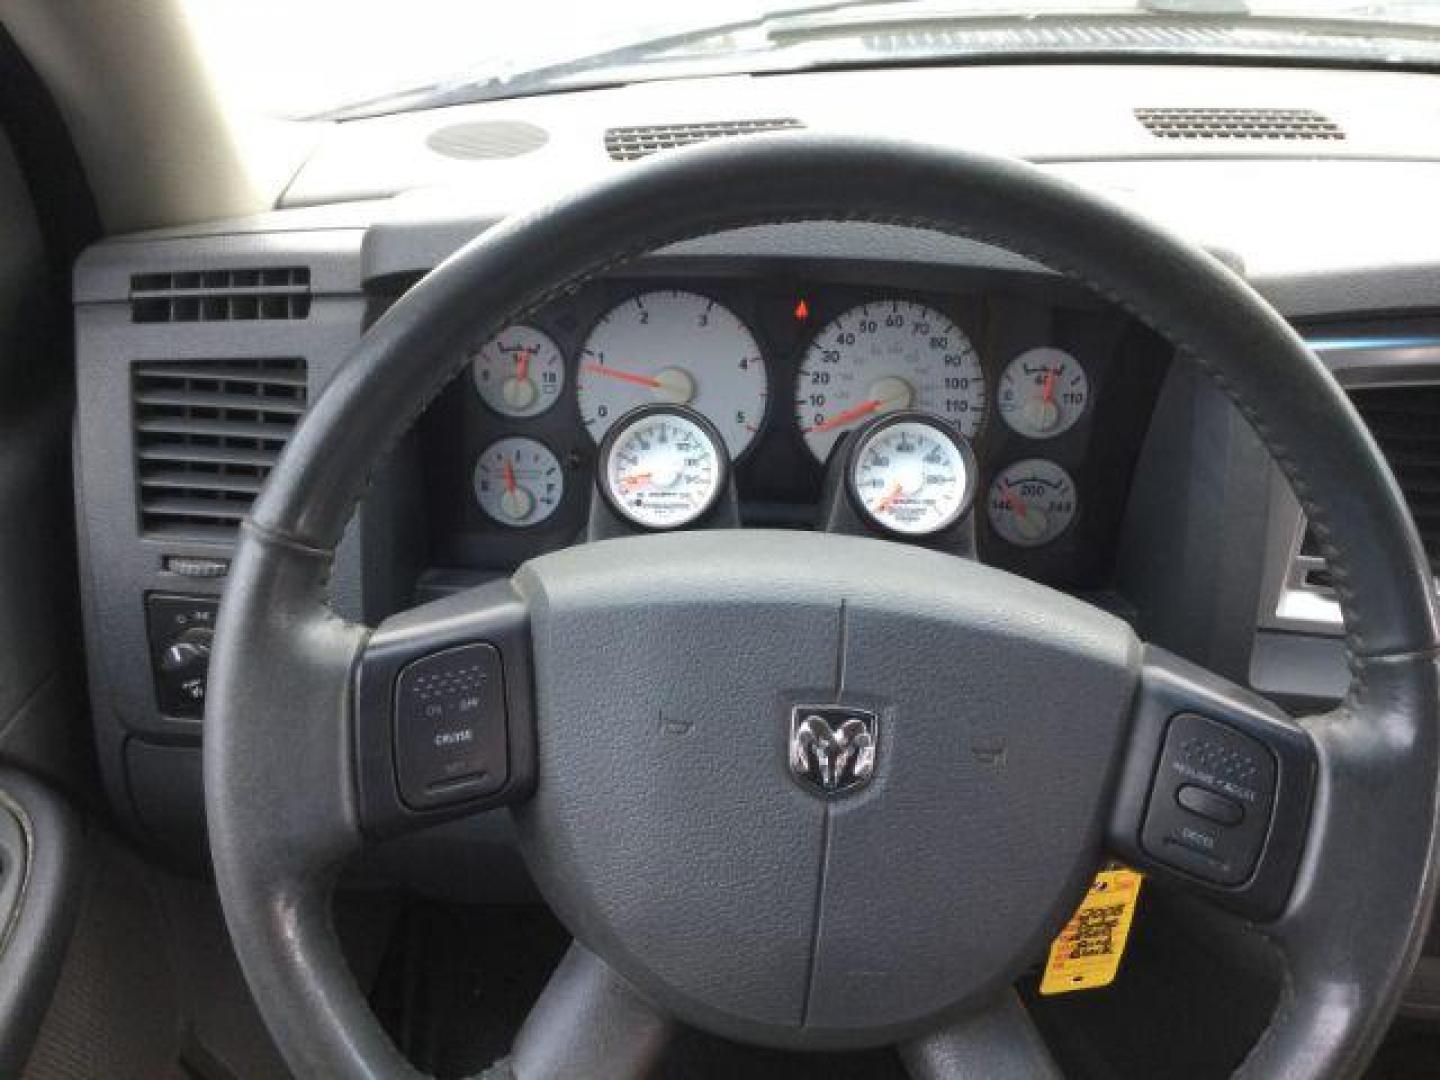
{"x": 802, "y": 310}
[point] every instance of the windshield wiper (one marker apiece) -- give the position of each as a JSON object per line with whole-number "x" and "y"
{"x": 584, "y": 72}
{"x": 869, "y": 33}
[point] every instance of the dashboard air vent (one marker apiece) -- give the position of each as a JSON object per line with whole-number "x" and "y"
{"x": 281, "y": 292}
{"x": 1282, "y": 125}
{"x": 631, "y": 143}
{"x": 207, "y": 433}
{"x": 1405, "y": 421}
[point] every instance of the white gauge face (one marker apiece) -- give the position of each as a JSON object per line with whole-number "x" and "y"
{"x": 663, "y": 471}
{"x": 911, "y": 477}
{"x": 519, "y": 372}
{"x": 881, "y": 357}
{"x": 1032, "y": 502}
{"x": 1043, "y": 392}
{"x": 678, "y": 348}
{"x": 518, "y": 482}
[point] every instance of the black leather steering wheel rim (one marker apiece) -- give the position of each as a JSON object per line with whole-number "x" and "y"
{"x": 279, "y": 706}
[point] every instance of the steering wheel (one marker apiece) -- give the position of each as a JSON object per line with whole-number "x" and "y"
{"x": 1019, "y": 735}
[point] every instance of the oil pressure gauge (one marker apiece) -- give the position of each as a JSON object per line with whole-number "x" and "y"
{"x": 911, "y": 474}
{"x": 1043, "y": 392}
{"x": 663, "y": 467}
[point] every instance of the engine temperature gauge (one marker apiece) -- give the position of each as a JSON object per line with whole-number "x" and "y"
{"x": 1032, "y": 502}
{"x": 912, "y": 474}
{"x": 663, "y": 467}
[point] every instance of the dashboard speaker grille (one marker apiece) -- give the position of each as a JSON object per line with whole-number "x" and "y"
{"x": 487, "y": 140}
{"x": 631, "y": 143}
{"x": 1405, "y": 421}
{"x": 207, "y": 433}
{"x": 1284, "y": 125}
{"x": 281, "y": 292}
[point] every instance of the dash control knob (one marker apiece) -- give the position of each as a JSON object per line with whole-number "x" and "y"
{"x": 190, "y": 650}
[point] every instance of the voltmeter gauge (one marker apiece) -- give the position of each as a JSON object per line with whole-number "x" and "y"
{"x": 912, "y": 474}
{"x": 519, "y": 372}
{"x": 1043, "y": 392}
{"x": 663, "y": 467}
{"x": 518, "y": 482}
{"x": 1032, "y": 502}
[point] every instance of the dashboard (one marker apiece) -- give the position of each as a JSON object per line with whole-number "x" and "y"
{"x": 197, "y": 350}
{"x": 1053, "y": 392}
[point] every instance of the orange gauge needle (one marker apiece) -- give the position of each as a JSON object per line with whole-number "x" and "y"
{"x": 1015, "y": 504}
{"x": 509, "y": 472}
{"x": 624, "y": 376}
{"x": 894, "y": 493}
{"x": 840, "y": 419}
{"x": 1047, "y": 389}
{"x": 522, "y": 365}
{"x": 635, "y": 479}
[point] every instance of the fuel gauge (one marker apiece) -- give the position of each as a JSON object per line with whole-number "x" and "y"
{"x": 518, "y": 482}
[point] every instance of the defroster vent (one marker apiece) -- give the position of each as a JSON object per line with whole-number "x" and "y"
{"x": 281, "y": 292}
{"x": 1271, "y": 125}
{"x": 207, "y": 433}
{"x": 630, "y": 143}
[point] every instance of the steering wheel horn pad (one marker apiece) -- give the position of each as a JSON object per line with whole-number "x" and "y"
{"x": 669, "y": 831}
{"x": 651, "y": 683}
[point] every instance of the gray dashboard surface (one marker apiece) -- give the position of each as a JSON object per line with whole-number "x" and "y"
{"x": 1329, "y": 232}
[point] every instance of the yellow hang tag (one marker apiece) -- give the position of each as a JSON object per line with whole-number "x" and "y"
{"x": 1087, "y": 953}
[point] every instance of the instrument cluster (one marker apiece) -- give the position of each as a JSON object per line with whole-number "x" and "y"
{"x": 784, "y": 369}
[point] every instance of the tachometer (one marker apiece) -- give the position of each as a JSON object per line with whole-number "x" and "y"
{"x": 882, "y": 357}
{"x": 1032, "y": 502}
{"x": 676, "y": 348}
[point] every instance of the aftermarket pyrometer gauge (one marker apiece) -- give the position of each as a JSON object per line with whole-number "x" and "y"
{"x": 663, "y": 467}
{"x": 912, "y": 474}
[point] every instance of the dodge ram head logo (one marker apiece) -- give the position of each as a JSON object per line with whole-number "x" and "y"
{"x": 832, "y": 747}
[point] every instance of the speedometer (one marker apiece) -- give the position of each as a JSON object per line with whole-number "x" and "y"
{"x": 677, "y": 348}
{"x": 885, "y": 356}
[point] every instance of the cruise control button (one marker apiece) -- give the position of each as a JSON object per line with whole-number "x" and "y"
{"x": 1207, "y": 804}
{"x": 1211, "y": 801}
{"x": 451, "y": 739}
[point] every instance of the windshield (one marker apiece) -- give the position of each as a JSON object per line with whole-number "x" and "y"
{"x": 341, "y": 58}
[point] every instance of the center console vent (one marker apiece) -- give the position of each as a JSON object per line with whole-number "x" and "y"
{"x": 207, "y": 433}
{"x": 1284, "y": 125}
{"x": 1405, "y": 421}
{"x": 281, "y": 292}
{"x": 632, "y": 143}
